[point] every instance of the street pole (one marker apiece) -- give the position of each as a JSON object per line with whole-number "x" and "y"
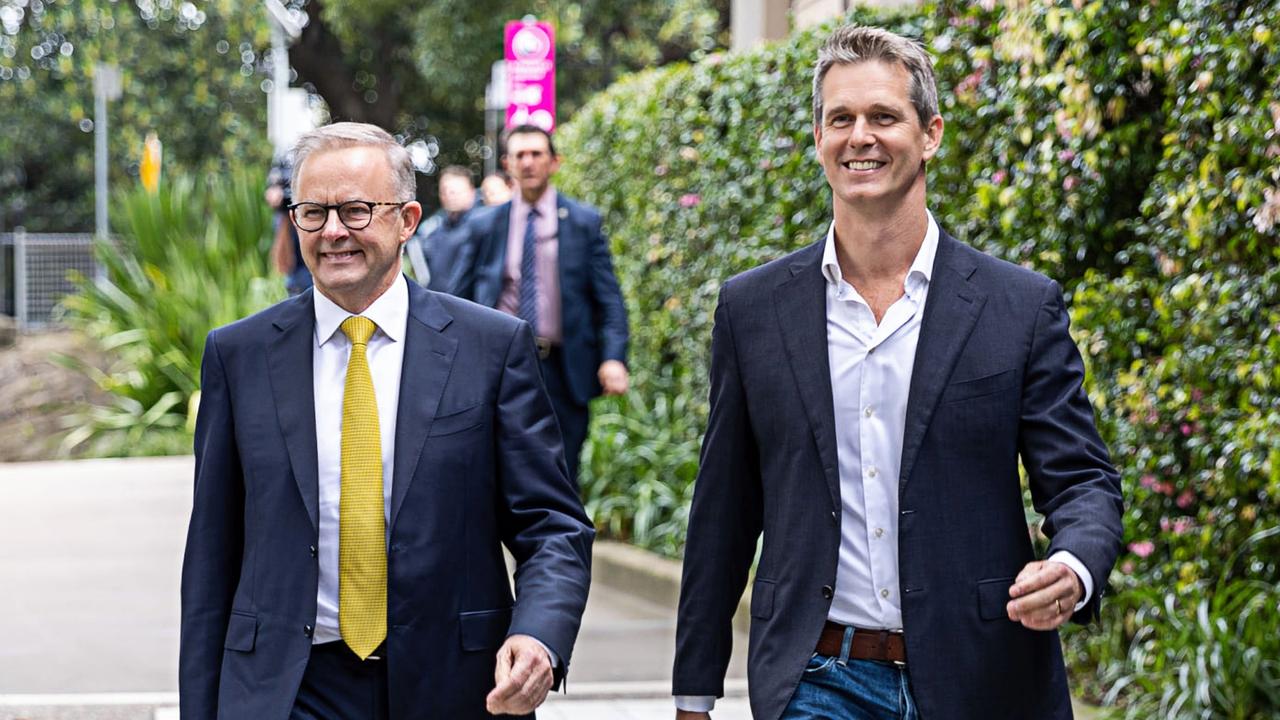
{"x": 106, "y": 86}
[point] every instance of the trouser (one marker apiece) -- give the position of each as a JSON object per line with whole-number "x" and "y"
{"x": 337, "y": 685}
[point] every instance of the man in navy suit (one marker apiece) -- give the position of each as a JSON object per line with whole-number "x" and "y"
{"x": 871, "y": 397}
{"x": 363, "y": 453}
{"x": 564, "y": 287}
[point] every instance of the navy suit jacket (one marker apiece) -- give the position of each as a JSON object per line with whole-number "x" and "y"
{"x": 593, "y": 317}
{"x": 478, "y": 465}
{"x": 996, "y": 377}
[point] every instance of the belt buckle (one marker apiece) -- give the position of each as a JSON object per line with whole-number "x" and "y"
{"x": 544, "y": 347}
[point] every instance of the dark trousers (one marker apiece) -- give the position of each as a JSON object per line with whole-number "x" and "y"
{"x": 571, "y": 416}
{"x": 337, "y": 685}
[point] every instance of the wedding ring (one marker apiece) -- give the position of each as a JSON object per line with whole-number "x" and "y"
{"x": 1058, "y": 604}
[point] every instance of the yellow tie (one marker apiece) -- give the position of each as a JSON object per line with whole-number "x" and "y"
{"x": 362, "y": 550}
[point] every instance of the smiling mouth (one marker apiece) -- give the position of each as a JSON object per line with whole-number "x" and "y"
{"x": 862, "y": 164}
{"x": 340, "y": 256}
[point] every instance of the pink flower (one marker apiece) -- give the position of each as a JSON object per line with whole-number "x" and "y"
{"x": 1066, "y": 156}
{"x": 1069, "y": 183}
{"x": 998, "y": 177}
{"x": 1127, "y": 567}
{"x": 1142, "y": 549}
{"x": 1181, "y": 525}
{"x": 689, "y": 200}
{"x": 1148, "y": 481}
{"x": 1185, "y": 499}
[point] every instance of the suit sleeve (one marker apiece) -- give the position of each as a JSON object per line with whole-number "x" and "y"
{"x": 724, "y": 525}
{"x": 1073, "y": 483}
{"x": 215, "y": 537}
{"x": 610, "y": 310}
{"x": 542, "y": 519}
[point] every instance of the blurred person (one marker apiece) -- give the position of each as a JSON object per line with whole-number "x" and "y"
{"x": 286, "y": 253}
{"x": 871, "y": 396}
{"x": 363, "y": 453}
{"x": 496, "y": 188}
{"x": 543, "y": 258}
{"x": 442, "y": 236}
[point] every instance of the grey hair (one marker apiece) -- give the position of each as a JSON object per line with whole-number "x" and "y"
{"x": 339, "y": 136}
{"x": 851, "y": 44}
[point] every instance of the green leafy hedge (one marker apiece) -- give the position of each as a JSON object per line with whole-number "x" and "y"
{"x": 1130, "y": 150}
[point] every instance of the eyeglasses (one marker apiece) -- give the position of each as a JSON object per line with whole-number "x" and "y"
{"x": 355, "y": 214}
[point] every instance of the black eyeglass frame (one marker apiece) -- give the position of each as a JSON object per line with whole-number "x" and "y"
{"x": 368, "y": 204}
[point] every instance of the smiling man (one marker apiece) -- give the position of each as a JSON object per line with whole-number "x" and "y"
{"x": 871, "y": 398}
{"x": 363, "y": 452}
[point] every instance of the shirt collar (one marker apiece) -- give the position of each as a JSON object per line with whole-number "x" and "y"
{"x": 921, "y": 270}
{"x": 390, "y": 312}
{"x": 546, "y": 204}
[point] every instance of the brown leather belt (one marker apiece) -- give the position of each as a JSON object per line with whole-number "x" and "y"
{"x": 881, "y": 645}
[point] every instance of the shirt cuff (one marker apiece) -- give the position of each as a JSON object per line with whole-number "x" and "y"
{"x": 551, "y": 655}
{"x": 1073, "y": 562}
{"x": 696, "y": 703}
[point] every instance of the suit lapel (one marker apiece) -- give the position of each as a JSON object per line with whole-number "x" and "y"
{"x": 950, "y": 312}
{"x": 428, "y": 361}
{"x": 801, "y": 304}
{"x": 289, "y": 366}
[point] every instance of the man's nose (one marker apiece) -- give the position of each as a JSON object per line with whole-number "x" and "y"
{"x": 861, "y": 133}
{"x": 333, "y": 227}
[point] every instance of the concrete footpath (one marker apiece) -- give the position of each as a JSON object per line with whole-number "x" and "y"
{"x": 90, "y": 556}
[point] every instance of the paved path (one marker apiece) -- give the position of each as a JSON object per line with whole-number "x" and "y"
{"x": 90, "y": 554}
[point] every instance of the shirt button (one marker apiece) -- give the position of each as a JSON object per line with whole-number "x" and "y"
{"x": 828, "y": 592}
{"x": 308, "y": 630}
{"x": 872, "y": 472}
{"x": 884, "y": 593}
{"x": 869, "y": 411}
{"x": 879, "y": 532}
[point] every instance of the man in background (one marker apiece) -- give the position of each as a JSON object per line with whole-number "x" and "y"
{"x": 543, "y": 258}
{"x": 442, "y": 236}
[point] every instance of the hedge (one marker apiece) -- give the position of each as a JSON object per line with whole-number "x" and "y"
{"x": 1130, "y": 150}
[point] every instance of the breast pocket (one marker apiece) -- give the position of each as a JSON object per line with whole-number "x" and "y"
{"x": 458, "y": 421}
{"x": 980, "y": 387}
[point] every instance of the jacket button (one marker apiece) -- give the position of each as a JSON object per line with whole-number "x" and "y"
{"x": 827, "y": 592}
{"x": 312, "y": 550}
{"x": 308, "y": 630}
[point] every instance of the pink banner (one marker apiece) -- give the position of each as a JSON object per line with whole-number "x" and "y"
{"x": 531, "y": 74}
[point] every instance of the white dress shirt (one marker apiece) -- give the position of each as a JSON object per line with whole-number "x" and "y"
{"x": 871, "y": 366}
{"x": 390, "y": 313}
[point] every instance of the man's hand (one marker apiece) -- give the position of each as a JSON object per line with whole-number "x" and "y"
{"x": 522, "y": 677}
{"x": 614, "y": 377}
{"x": 686, "y": 715}
{"x": 1044, "y": 595}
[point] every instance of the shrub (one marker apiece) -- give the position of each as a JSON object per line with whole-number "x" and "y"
{"x": 187, "y": 259}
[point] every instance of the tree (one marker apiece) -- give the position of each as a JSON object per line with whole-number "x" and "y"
{"x": 190, "y": 72}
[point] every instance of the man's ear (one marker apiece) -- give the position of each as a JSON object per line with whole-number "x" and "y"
{"x": 933, "y": 137}
{"x": 411, "y": 214}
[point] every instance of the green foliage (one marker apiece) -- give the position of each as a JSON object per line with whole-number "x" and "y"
{"x": 188, "y": 73}
{"x": 187, "y": 259}
{"x": 1130, "y": 150}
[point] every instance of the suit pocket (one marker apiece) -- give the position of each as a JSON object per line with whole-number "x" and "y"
{"x": 484, "y": 630}
{"x": 242, "y": 630}
{"x": 978, "y": 387}
{"x": 762, "y": 599}
{"x": 456, "y": 422}
{"x": 993, "y": 598}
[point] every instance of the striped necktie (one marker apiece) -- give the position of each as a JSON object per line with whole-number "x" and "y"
{"x": 528, "y": 307}
{"x": 362, "y": 551}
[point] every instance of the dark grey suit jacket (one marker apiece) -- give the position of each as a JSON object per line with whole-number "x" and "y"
{"x": 996, "y": 378}
{"x": 478, "y": 465}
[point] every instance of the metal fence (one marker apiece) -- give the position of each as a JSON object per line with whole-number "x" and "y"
{"x": 35, "y": 270}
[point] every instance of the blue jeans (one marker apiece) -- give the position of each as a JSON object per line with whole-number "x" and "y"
{"x": 837, "y": 688}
